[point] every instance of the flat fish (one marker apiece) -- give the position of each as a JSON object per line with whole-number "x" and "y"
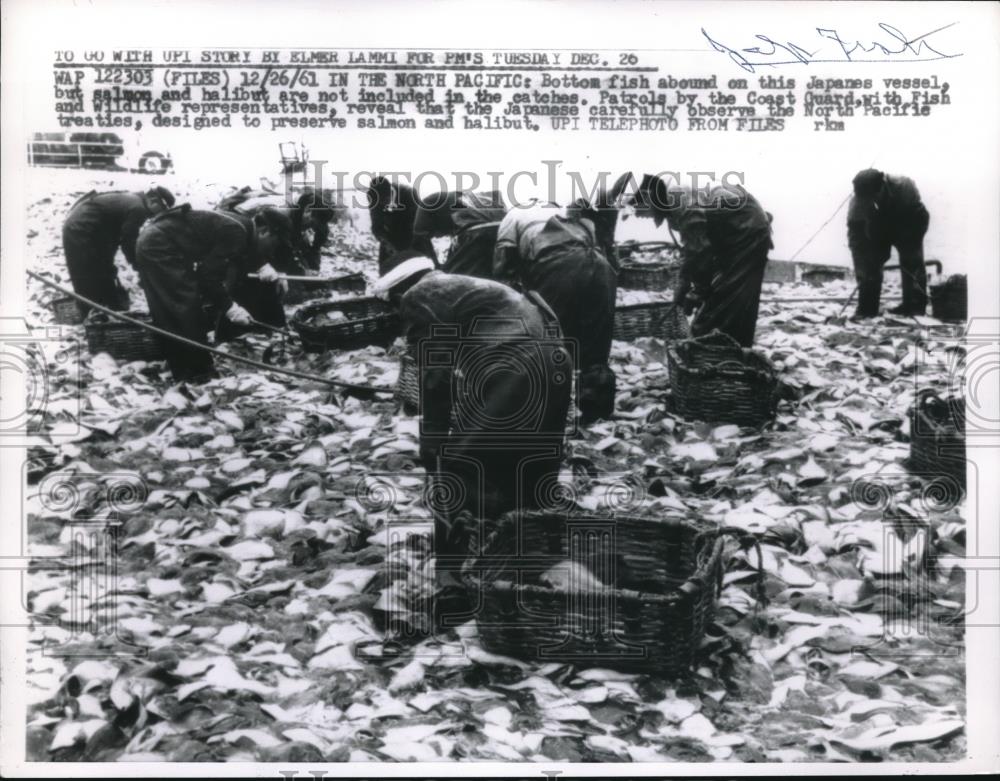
{"x": 570, "y": 576}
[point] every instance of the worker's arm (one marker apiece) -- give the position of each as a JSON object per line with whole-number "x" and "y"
{"x": 130, "y": 233}
{"x": 698, "y": 259}
{"x": 507, "y": 259}
{"x": 224, "y": 265}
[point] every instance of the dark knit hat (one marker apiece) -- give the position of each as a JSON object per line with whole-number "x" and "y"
{"x": 867, "y": 183}
{"x": 163, "y": 194}
{"x": 275, "y": 221}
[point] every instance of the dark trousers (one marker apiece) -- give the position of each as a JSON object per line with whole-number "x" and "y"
{"x": 175, "y": 304}
{"x": 580, "y": 287}
{"x": 870, "y": 254}
{"x": 733, "y": 299}
{"x": 504, "y": 445}
{"x": 488, "y": 479}
{"x": 90, "y": 261}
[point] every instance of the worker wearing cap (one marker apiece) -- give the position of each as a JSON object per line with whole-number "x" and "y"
{"x": 392, "y": 208}
{"x": 886, "y": 212}
{"x": 725, "y": 238}
{"x": 495, "y": 383}
{"x": 96, "y": 226}
{"x": 310, "y": 214}
{"x": 556, "y": 252}
{"x": 193, "y": 267}
{"x": 471, "y": 220}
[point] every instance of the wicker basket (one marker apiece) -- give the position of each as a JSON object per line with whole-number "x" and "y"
{"x": 299, "y": 291}
{"x": 950, "y": 299}
{"x": 66, "y": 311}
{"x": 937, "y": 439}
{"x": 659, "y": 271}
{"x": 713, "y": 379}
{"x": 665, "y": 250}
{"x": 662, "y": 319}
{"x": 408, "y": 384}
{"x": 369, "y": 321}
{"x": 648, "y": 276}
{"x": 662, "y": 578}
{"x": 121, "y": 340}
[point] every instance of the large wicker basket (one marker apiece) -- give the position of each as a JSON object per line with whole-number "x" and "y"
{"x": 950, "y": 299}
{"x": 121, "y": 340}
{"x": 299, "y": 291}
{"x": 713, "y": 379}
{"x": 648, "y": 276}
{"x": 662, "y": 319}
{"x": 937, "y": 439}
{"x": 66, "y": 311}
{"x": 648, "y": 265}
{"x": 368, "y": 321}
{"x": 660, "y": 583}
{"x": 660, "y": 250}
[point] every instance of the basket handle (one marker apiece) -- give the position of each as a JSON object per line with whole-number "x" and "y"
{"x": 714, "y": 338}
{"x": 733, "y": 364}
{"x": 747, "y": 541}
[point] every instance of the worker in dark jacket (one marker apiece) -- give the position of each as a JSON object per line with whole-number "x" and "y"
{"x": 471, "y": 220}
{"x": 725, "y": 237}
{"x": 310, "y": 217}
{"x": 392, "y": 207}
{"x": 495, "y": 386}
{"x": 193, "y": 267}
{"x": 886, "y": 212}
{"x": 556, "y": 252}
{"x": 97, "y": 225}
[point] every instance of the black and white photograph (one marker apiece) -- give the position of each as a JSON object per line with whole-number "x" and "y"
{"x": 507, "y": 389}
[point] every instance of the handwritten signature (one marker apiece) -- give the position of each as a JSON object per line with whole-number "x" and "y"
{"x": 901, "y": 48}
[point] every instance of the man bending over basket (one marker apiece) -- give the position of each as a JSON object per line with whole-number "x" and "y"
{"x": 567, "y": 255}
{"x": 726, "y": 236}
{"x": 495, "y": 383}
{"x": 193, "y": 266}
{"x": 97, "y": 225}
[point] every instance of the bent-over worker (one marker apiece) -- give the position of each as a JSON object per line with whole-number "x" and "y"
{"x": 556, "y": 252}
{"x": 193, "y": 266}
{"x": 725, "y": 236}
{"x": 96, "y": 226}
{"x": 886, "y": 212}
{"x": 471, "y": 220}
{"x": 495, "y": 384}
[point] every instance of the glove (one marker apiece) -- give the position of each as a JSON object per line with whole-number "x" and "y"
{"x": 282, "y": 286}
{"x": 681, "y": 292}
{"x": 689, "y": 304}
{"x": 267, "y": 273}
{"x": 692, "y": 301}
{"x": 239, "y": 315}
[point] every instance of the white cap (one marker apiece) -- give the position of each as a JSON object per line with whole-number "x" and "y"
{"x": 383, "y": 285}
